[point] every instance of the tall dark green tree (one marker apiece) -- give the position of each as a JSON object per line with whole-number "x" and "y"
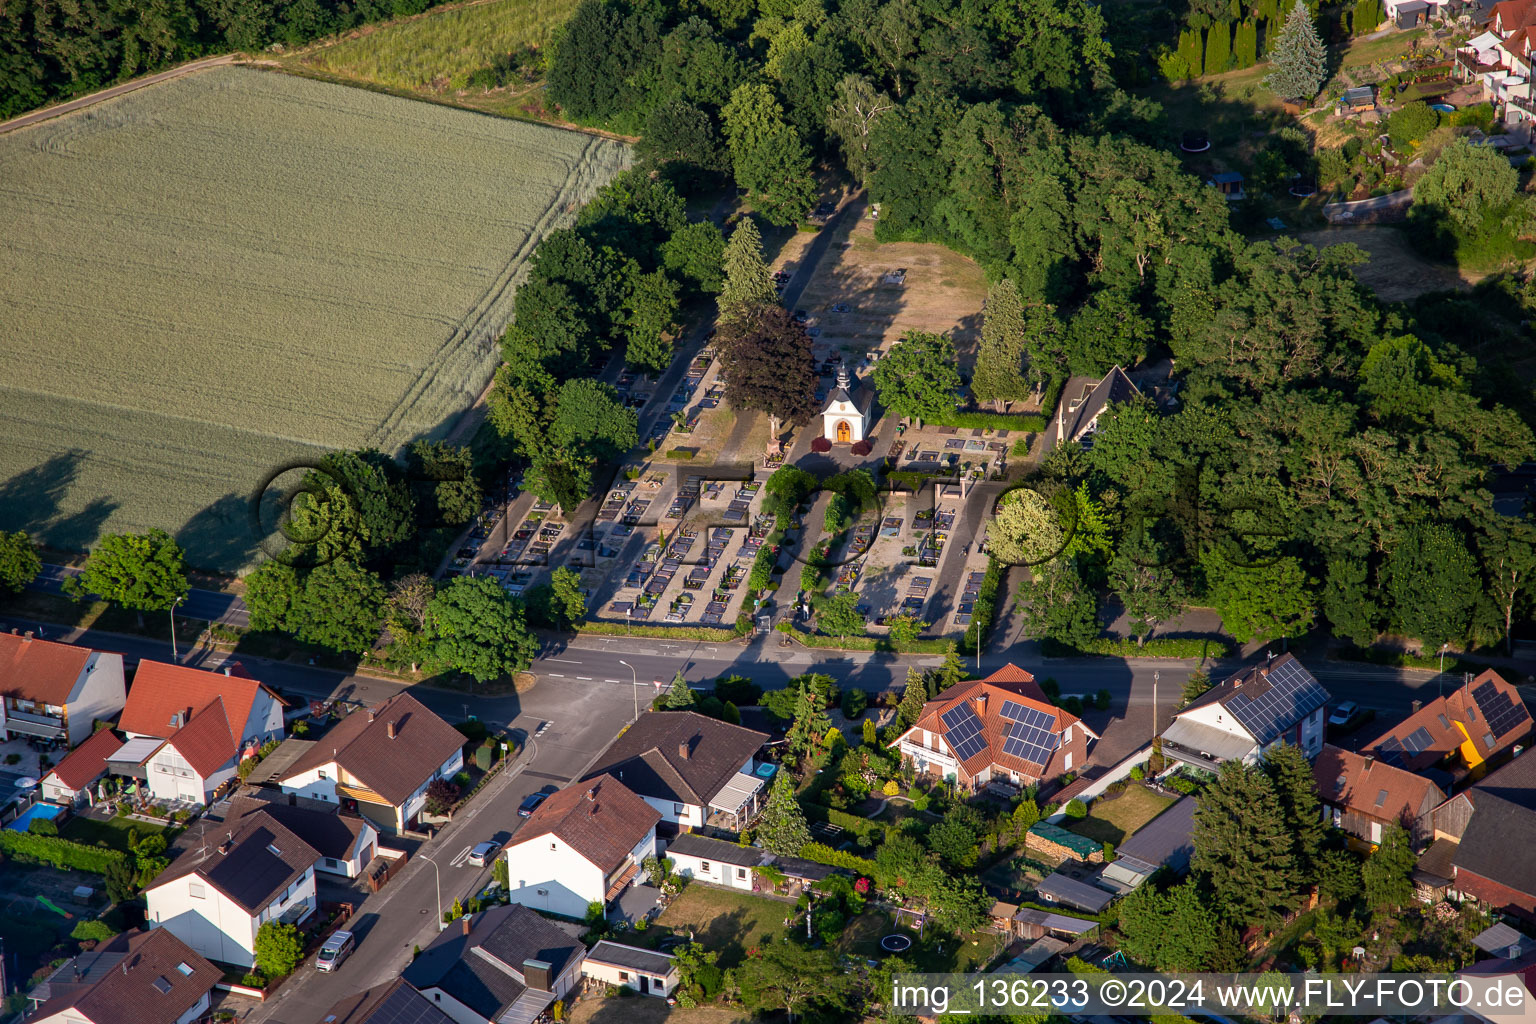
{"x": 1290, "y": 773}
{"x": 918, "y": 378}
{"x": 782, "y": 828}
{"x": 142, "y": 572}
{"x": 771, "y": 162}
{"x": 1433, "y": 583}
{"x": 19, "y": 562}
{"x": 1244, "y": 856}
{"x": 1297, "y": 57}
{"x": 1387, "y": 871}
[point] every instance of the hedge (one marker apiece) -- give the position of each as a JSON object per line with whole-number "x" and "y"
{"x": 991, "y": 420}
{"x": 913, "y": 480}
{"x": 984, "y": 609}
{"x": 706, "y": 634}
{"x": 1160, "y": 647}
{"x": 821, "y": 853}
{"x": 860, "y": 827}
{"x": 873, "y": 643}
{"x": 61, "y": 853}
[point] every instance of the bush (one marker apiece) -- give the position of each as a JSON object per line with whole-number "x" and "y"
{"x": 1179, "y": 784}
{"x": 1076, "y": 809}
{"x": 1159, "y": 647}
{"x": 1109, "y": 851}
{"x": 738, "y": 690}
{"x": 441, "y": 795}
{"x": 279, "y": 949}
{"x": 1101, "y": 700}
{"x": 852, "y": 823}
{"x": 855, "y": 701}
{"x": 1138, "y": 773}
{"x": 730, "y": 714}
{"x": 483, "y": 758}
{"x": 92, "y": 931}
{"x": 42, "y": 827}
{"x": 474, "y": 730}
{"x": 991, "y": 421}
{"x": 253, "y": 979}
{"x": 891, "y": 788}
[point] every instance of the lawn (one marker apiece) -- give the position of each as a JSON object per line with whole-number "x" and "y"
{"x": 224, "y": 274}
{"x": 724, "y": 920}
{"x": 113, "y": 832}
{"x": 1114, "y": 819}
{"x": 933, "y": 952}
{"x": 454, "y": 54}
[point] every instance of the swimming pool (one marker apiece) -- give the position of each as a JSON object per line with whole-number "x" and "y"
{"x": 45, "y": 811}
{"x": 1444, "y": 108}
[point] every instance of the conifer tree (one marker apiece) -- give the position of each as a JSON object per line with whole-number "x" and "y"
{"x": 809, "y": 725}
{"x": 912, "y": 699}
{"x": 1243, "y": 854}
{"x": 748, "y": 282}
{"x": 782, "y": 828}
{"x": 1387, "y": 871}
{"x": 1218, "y": 48}
{"x": 1197, "y": 683}
{"x": 1296, "y": 789}
{"x": 1298, "y": 61}
{"x": 680, "y": 696}
{"x": 1000, "y": 359}
{"x": 1190, "y": 50}
{"x": 1245, "y": 48}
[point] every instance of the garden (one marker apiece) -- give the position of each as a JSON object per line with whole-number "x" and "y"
{"x": 1116, "y": 815}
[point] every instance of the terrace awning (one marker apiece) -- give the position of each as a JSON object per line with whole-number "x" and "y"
{"x": 733, "y": 796}
{"x": 132, "y": 754}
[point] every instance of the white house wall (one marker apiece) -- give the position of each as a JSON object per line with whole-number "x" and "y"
{"x": 608, "y": 974}
{"x": 213, "y": 924}
{"x": 719, "y": 873}
{"x": 569, "y": 882}
{"x": 99, "y": 693}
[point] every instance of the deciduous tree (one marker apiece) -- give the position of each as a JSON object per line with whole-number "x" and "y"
{"x": 19, "y": 562}
{"x": 771, "y": 162}
{"x": 143, "y": 572}
{"x": 769, "y": 367}
{"x": 1433, "y": 583}
{"x": 917, "y": 379}
{"x": 475, "y": 627}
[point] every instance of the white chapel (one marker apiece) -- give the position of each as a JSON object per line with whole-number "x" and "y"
{"x": 846, "y": 417}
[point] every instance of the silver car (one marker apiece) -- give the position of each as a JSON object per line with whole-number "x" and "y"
{"x": 483, "y": 854}
{"x": 336, "y": 949}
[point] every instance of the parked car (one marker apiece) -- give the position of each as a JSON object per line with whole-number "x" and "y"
{"x": 336, "y": 949}
{"x": 1343, "y": 713}
{"x": 531, "y": 804}
{"x": 484, "y": 853}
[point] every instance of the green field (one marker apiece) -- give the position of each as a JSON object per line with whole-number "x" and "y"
{"x": 211, "y": 277}
{"x": 438, "y": 50}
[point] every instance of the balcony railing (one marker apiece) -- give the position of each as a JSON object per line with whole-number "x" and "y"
{"x": 30, "y": 724}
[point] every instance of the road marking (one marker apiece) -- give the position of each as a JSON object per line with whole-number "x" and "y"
{"x": 613, "y": 680}
{"x": 557, "y": 675}
{"x": 586, "y": 679}
{"x": 459, "y": 858}
{"x": 567, "y": 661}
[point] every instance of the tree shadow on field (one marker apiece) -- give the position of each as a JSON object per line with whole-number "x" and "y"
{"x": 219, "y": 536}
{"x": 30, "y": 502}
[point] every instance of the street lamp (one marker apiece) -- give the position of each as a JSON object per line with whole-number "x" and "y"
{"x": 634, "y": 686}
{"x": 438, "y": 875}
{"x": 175, "y": 658}
{"x": 1442, "y": 666}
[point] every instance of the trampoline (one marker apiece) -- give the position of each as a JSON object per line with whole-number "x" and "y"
{"x": 896, "y": 943}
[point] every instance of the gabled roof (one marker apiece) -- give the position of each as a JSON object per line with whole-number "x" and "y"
{"x": 479, "y": 960}
{"x": 332, "y": 834}
{"x": 1266, "y": 699}
{"x": 161, "y": 692}
{"x": 985, "y": 698}
{"x": 1064, "y": 889}
{"x": 690, "y": 844}
{"x": 393, "y": 1002}
{"x": 1499, "y": 839}
{"x": 1114, "y": 387}
{"x": 1371, "y": 787}
{"x": 205, "y": 742}
{"x": 648, "y": 756}
{"x": 1447, "y": 724}
{"x": 251, "y": 861}
{"x": 87, "y": 762}
{"x": 598, "y": 818}
{"x": 138, "y": 978}
{"x": 40, "y": 670}
{"x": 393, "y": 767}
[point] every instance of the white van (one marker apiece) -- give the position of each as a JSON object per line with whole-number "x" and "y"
{"x": 336, "y": 949}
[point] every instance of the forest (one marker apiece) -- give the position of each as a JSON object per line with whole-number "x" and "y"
{"x": 1327, "y": 456}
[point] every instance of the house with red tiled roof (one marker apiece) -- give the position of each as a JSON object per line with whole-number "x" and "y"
{"x": 71, "y": 779}
{"x": 56, "y": 691}
{"x": 997, "y": 729}
{"x": 1460, "y": 735}
{"x": 1500, "y": 60}
{"x": 206, "y": 723}
{"x": 583, "y": 845}
{"x": 1365, "y": 796}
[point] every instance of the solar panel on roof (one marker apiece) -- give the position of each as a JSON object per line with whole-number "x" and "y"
{"x": 1292, "y": 695}
{"x": 1029, "y": 742}
{"x": 1391, "y": 752}
{"x": 1500, "y": 712}
{"x": 1418, "y": 741}
{"x": 963, "y": 731}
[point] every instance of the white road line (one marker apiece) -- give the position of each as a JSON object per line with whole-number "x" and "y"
{"x": 458, "y": 860}
{"x": 567, "y": 661}
{"x": 586, "y": 679}
{"x": 613, "y": 680}
{"x": 557, "y": 675}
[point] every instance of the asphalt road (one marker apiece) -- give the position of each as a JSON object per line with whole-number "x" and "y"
{"x": 208, "y": 605}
